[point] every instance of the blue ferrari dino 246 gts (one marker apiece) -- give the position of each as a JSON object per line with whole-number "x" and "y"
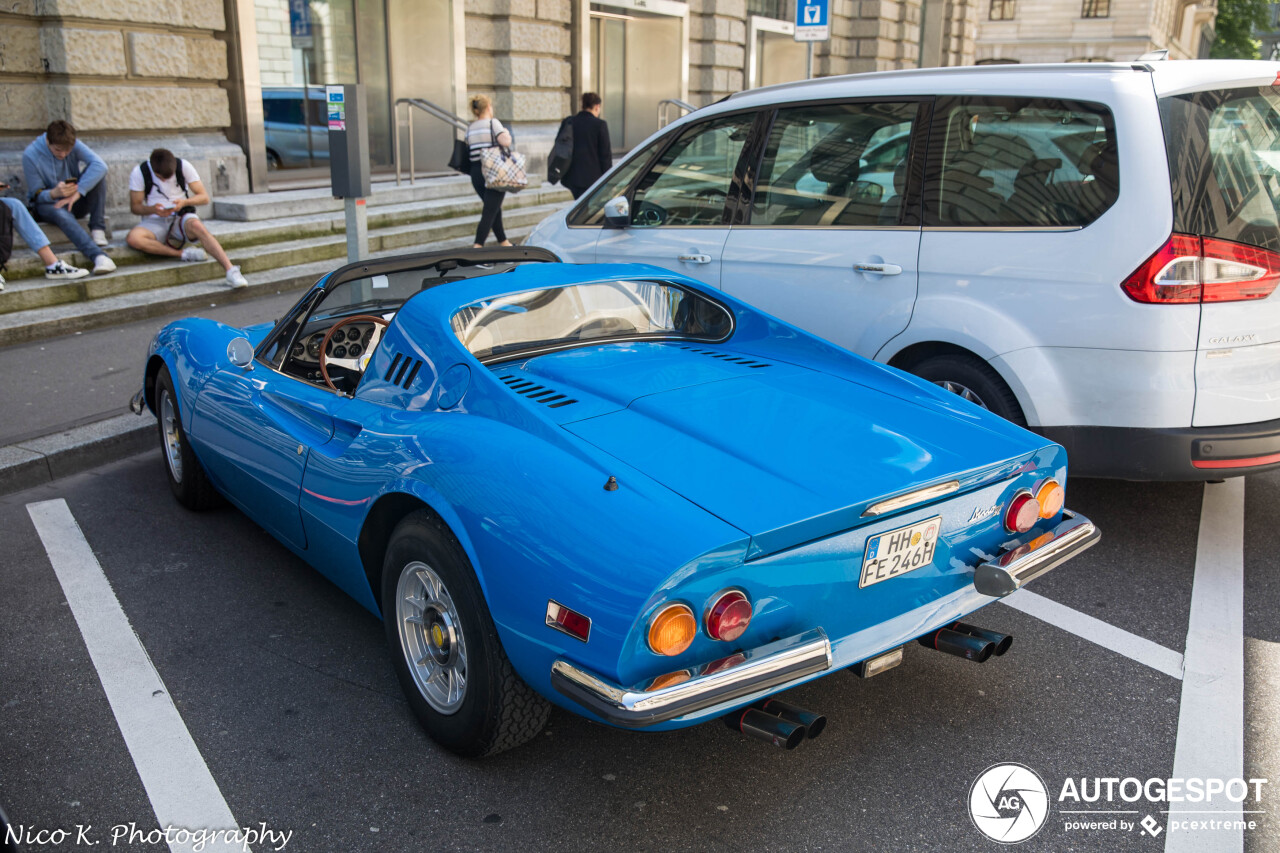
{"x": 610, "y": 488}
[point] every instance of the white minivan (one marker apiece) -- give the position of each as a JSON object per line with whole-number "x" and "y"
{"x": 1087, "y": 249}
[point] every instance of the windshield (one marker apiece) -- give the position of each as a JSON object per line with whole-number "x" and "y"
{"x": 1224, "y": 164}
{"x": 538, "y": 320}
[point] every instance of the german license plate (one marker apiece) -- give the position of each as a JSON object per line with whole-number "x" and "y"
{"x": 899, "y": 551}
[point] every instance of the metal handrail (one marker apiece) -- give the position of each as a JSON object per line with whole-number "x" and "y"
{"x": 433, "y": 110}
{"x": 664, "y": 110}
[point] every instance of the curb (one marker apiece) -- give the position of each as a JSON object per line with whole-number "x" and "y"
{"x": 61, "y": 454}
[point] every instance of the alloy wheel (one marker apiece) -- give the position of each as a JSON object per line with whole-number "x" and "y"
{"x": 431, "y": 637}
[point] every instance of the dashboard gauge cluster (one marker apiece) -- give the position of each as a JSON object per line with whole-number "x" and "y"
{"x": 350, "y": 342}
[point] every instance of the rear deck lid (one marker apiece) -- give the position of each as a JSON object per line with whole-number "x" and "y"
{"x": 791, "y": 457}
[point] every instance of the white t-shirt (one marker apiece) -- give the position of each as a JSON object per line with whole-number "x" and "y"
{"x": 162, "y": 190}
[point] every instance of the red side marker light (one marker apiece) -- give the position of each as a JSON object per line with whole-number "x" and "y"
{"x": 568, "y": 621}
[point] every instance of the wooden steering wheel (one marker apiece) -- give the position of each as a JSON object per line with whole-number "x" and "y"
{"x": 352, "y": 364}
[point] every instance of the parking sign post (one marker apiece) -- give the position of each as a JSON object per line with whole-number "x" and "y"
{"x": 813, "y": 23}
{"x": 349, "y": 161}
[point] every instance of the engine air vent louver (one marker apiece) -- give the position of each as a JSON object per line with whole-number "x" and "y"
{"x": 730, "y": 358}
{"x": 538, "y": 393}
{"x": 403, "y": 371}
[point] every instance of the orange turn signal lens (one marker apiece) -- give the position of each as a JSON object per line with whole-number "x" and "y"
{"x": 1051, "y": 497}
{"x": 672, "y": 630}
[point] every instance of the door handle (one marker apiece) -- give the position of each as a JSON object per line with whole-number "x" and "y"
{"x": 879, "y": 269}
{"x": 694, "y": 259}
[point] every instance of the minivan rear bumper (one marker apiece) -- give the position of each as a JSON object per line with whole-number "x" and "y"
{"x": 1191, "y": 453}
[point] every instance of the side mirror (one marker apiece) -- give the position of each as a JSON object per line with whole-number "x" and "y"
{"x": 617, "y": 212}
{"x": 240, "y": 353}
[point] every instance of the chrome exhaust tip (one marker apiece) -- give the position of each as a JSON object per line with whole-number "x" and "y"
{"x": 960, "y": 645}
{"x": 1003, "y": 642}
{"x": 758, "y": 725}
{"x": 813, "y": 723}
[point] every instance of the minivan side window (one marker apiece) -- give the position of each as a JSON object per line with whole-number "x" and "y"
{"x": 590, "y": 213}
{"x": 835, "y": 165}
{"x": 689, "y": 183}
{"x": 1020, "y": 163}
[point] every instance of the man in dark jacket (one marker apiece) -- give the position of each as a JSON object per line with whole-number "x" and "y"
{"x": 592, "y": 156}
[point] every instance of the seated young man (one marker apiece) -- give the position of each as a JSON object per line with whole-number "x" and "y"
{"x": 30, "y": 232}
{"x": 165, "y": 197}
{"x": 59, "y": 193}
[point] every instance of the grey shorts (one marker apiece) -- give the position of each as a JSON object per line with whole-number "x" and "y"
{"x": 166, "y": 228}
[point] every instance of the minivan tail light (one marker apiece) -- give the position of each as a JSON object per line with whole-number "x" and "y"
{"x": 1189, "y": 269}
{"x": 1233, "y": 272}
{"x": 1171, "y": 275}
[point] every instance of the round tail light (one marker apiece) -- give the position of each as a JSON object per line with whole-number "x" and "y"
{"x": 1051, "y": 497}
{"x": 1022, "y": 514}
{"x": 672, "y": 629}
{"x": 728, "y": 615}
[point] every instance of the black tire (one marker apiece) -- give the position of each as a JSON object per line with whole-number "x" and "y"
{"x": 496, "y": 710}
{"x": 984, "y": 387}
{"x": 273, "y": 161}
{"x": 187, "y": 478}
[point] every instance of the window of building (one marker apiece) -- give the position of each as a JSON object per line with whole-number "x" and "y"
{"x": 781, "y": 10}
{"x": 1025, "y": 163}
{"x": 1095, "y": 9}
{"x": 843, "y": 165}
{"x": 1001, "y": 10}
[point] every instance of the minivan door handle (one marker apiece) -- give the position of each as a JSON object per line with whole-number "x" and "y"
{"x": 694, "y": 259}
{"x": 879, "y": 269}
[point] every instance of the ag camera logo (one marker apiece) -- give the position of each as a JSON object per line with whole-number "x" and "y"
{"x": 1008, "y": 803}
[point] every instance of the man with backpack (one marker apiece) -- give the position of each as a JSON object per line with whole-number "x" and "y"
{"x": 592, "y": 154}
{"x": 165, "y": 191}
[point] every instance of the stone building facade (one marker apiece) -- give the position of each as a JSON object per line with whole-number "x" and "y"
{"x": 1094, "y": 30}
{"x": 236, "y": 86}
{"x": 124, "y": 73}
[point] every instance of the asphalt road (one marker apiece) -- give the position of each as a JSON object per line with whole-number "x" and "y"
{"x": 285, "y": 686}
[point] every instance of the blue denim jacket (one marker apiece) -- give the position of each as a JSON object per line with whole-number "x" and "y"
{"x": 44, "y": 171}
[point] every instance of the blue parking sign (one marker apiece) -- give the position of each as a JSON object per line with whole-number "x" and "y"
{"x": 813, "y": 20}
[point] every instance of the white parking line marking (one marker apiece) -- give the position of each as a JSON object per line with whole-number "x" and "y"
{"x": 1086, "y": 627}
{"x": 183, "y": 793}
{"x": 1211, "y": 717}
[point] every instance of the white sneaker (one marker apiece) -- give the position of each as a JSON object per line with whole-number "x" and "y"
{"x": 194, "y": 254}
{"x": 103, "y": 264}
{"x": 99, "y": 236}
{"x": 236, "y": 279}
{"x": 1, "y": 284}
{"x": 63, "y": 271}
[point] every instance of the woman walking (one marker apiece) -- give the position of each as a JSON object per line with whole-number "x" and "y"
{"x": 486, "y": 132}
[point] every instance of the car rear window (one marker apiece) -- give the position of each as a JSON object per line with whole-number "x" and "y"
{"x": 1224, "y": 163}
{"x": 521, "y": 324}
{"x": 1020, "y": 163}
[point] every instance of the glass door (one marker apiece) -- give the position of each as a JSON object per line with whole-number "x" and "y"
{"x": 304, "y": 45}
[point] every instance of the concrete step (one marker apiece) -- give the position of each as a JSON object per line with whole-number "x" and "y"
{"x": 25, "y": 295}
{"x": 234, "y": 234}
{"x": 256, "y": 206}
{"x": 47, "y": 322}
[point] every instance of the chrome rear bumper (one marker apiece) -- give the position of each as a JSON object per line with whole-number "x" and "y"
{"x": 1015, "y": 567}
{"x": 745, "y": 675}
{"x": 760, "y": 672}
